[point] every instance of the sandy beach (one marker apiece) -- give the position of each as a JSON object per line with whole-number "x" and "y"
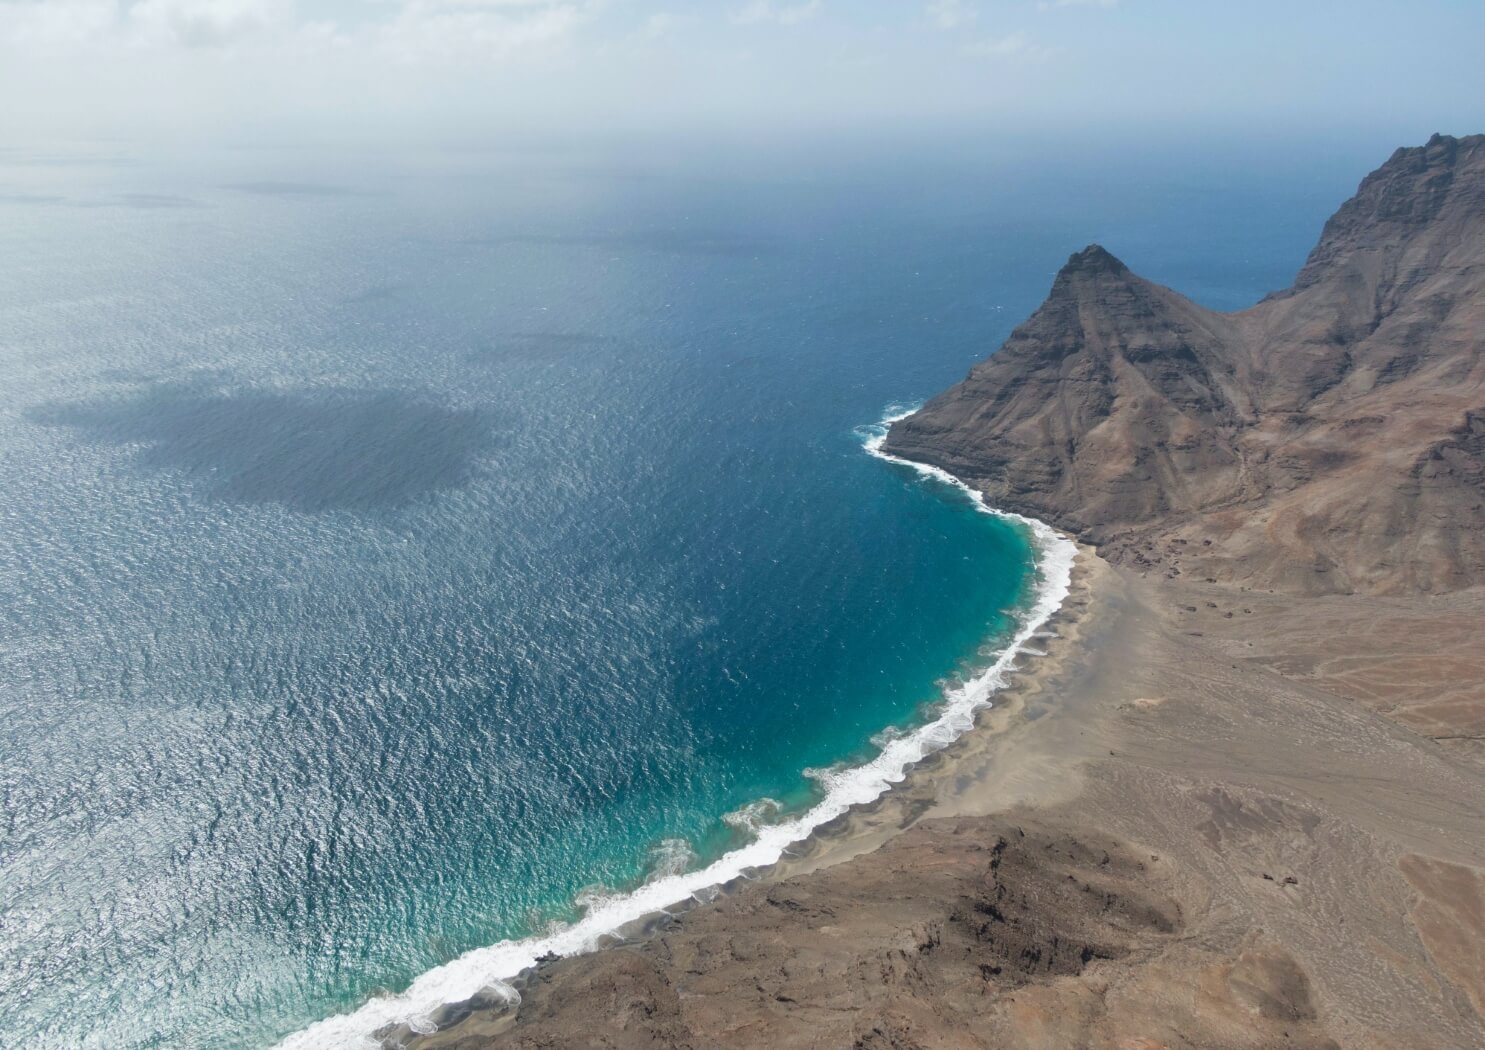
{"x": 1277, "y": 855}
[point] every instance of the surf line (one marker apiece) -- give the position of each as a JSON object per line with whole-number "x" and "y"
{"x": 485, "y": 973}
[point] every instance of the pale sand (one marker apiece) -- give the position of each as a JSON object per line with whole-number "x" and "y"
{"x": 1327, "y": 861}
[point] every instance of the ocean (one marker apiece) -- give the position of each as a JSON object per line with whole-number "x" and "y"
{"x": 411, "y": 552}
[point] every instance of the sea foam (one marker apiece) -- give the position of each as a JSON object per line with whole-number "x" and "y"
{"x": 485, "y": 972}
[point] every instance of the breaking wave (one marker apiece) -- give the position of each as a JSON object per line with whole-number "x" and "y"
{"x": 485, "y": 973}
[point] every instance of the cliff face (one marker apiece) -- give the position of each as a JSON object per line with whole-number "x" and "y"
{"x": 1330, "y": 438}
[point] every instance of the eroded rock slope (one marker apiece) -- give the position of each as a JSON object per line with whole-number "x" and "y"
{"x": 1329, "y": 439}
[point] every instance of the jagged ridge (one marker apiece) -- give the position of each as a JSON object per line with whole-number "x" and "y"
{"x": 1326, "y": 439}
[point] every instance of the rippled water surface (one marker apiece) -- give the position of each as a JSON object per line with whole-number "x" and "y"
{"x": 397, "y": 551}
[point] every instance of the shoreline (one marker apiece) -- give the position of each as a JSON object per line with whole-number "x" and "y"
{"x": 490, "y": 979}
{"x": 1243, "y": 835}
{"x": 941, "y": 784}
{"x": 1244, "y": 804}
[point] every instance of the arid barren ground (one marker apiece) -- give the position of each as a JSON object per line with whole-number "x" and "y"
{"x": 1240, "y": 802}
{"x": 1165, "y": 836}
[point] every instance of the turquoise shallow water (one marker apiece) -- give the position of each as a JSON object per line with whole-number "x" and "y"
{"x": 398, "y": 554}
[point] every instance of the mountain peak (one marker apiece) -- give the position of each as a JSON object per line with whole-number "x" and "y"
{"x": 1418, "y": 192}
{"x": 1093, "y": 259}
{"x": 1439, "y": 145}
{"x": 1325, "y": 440}
{"x": 1439, "y": 152}
{"x": 1090, "y": 272}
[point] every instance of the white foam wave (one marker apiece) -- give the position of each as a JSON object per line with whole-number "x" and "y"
{"x": 486, "y": 971}
{"x": 670, "y": 857}
{"x": 885, "y": 736}
{"x": 752, "y": 818}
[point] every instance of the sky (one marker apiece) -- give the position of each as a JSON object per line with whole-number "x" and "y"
{"x": 220, "y": 68}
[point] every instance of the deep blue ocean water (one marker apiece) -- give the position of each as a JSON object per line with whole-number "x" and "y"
{"x": 398, "y": 549}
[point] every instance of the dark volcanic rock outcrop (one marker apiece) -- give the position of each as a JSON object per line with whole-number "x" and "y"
{"x": 1330, "y": 438}
{"x": 927, "y": 947}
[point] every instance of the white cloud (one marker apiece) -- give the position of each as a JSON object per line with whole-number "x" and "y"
{"x": 48, "y": 24}
{"x": 404, "y": 31}
{"x": 657, "y": 25}
{"x": 476, "y": 29}
{"x": 764, "y": 11}
{"x": 950, "y": 14}
{"x": 207, "y": 23}
{"x": 1012, "y": 45}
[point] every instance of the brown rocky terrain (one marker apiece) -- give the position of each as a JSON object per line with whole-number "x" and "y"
{"x": 1329, "y": 439}
{"x": 1240, "y": 801}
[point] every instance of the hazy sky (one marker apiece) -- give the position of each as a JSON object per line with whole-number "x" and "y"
{"x": 217, "y": 67}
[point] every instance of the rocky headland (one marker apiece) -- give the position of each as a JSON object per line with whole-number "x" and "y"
{"x": 1240, "y": 802}
{"x": 1330, "y": 439}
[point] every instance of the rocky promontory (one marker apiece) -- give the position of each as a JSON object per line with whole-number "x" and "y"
{"x": 1330, "y": 439}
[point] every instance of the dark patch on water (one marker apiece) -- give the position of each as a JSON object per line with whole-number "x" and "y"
{"x": 142, "y": 201}
{"x": 70, "y": 160}
{"x": 374, "y": 294}
{"x": 559, "y": 340}
{"x": 541, "y": 344}
{"x": 273, "y": 188}
{"x": 673, "y": 242}
{"x": 155, "y": 200}
{"x": 29, "y": 198}
{"x": 312, "y": 452}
